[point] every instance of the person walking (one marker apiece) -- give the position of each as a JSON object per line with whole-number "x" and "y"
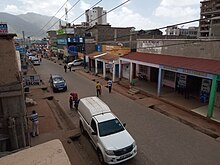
{"x": 98, "y": 89}
{"x": 76, "y": 103}
{"x": 109, "y": 83}
{"x": 35, "y": 123}
{"x": 65, "y": 67}
{"x": 73, "y": 98}
{"x": 70, "y": 68}
{"x": 71, "y": 101}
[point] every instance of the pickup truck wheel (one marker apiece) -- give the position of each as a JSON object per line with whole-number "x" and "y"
{"x": 100, "y": 156}
{"x": 81, "y": 128}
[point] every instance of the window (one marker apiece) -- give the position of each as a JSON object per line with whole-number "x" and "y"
{"x": 168, "y": 75}
{"x": 143, "y": 69}
{"x": 110, "y": 127}
{"x": 93, "y": 125}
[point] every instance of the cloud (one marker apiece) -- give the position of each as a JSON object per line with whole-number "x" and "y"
{"x": 127, "y": 18}
{"x": 178, "y": 11}
{"x": 170, "y": 3}
{"x": 12, "y": 9}
{"x": 42, "y": 7}
{"x": 84, "y": 6}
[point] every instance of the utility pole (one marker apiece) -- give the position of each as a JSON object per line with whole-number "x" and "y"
{"x": 23, "y": 38}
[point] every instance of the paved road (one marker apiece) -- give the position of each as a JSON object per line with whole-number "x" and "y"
{"x": 160, "y": 140}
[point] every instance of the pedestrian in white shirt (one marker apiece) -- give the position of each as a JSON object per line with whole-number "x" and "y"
{"x": 109, "y": 85}
{"x": 35, "y": 123}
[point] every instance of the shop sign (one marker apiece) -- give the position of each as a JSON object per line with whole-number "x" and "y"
{"x": 60, "y": 31}
{"x": 169, "y": 68}
{"x": 109, "y": 65}
{"x": 77, "y": 40}
{"x": 187, "y": 71}
{"x": 192, "y": 72}
{"x": 32, "y": 79}
{"x": 98, "y": 48}
{"x": 181, "y": 81}
{"x": 3, "y": 28}
{"x": 61, "y": 41}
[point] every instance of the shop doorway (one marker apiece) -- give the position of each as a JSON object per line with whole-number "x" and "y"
{"x": 154, "y": 74}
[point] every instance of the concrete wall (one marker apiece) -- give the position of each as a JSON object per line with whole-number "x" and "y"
{"x": 13, "y": 124}
{"x": 9, "y": 69}
{"x": 207, "y": 49}
{"x": 49, "y": 153}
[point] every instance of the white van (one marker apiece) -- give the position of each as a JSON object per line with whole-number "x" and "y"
{"x": 111, "y": 140}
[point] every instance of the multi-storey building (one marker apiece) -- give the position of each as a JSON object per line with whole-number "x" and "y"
{"x": 96, "y": 16}
{"x": 189, "y": 32}
{"x": 210, "y": 19}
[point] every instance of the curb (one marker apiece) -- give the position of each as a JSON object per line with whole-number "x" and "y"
{"x": 69, "y": 121}
{"x": 191, "y": 124}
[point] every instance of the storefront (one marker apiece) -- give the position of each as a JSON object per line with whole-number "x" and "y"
{"x": 188, "y": 82}
{"x": 191, "y": 77}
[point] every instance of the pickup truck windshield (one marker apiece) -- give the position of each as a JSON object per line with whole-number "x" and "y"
{"x": 110, "y": 127}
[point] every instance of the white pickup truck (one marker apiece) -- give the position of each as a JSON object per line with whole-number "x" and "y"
{"x": 111, "y": 140}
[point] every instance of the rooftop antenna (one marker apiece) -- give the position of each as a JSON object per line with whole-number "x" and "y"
{"x": 66, "y": 15}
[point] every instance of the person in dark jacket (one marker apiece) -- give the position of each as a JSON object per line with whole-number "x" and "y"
{"x": 65, "y": 67}
{"x": 76, "y": 103}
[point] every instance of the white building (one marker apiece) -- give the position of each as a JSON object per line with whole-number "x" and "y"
{"x": 174, "y": 30}
{"x": 96, "y": 16}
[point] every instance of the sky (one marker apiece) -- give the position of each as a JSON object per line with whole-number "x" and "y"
{"x": 141, "y": 14}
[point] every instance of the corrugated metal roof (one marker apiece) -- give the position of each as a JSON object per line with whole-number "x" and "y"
{"x": 103, "y": 56}
{"x": 91, "y": 55}
{"x": 110, "y": 57}
{"x": 197, "y": 64}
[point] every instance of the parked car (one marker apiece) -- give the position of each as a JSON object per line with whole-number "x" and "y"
{"x": 111, "y": 140}
{"x": 57, "y": 83}
{"x": 30, "y": 56}
{"x": 35, "y": 61}
{"x": 75, "y": 63}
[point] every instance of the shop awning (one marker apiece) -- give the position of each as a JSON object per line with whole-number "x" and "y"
{"x": 197, "y": 64}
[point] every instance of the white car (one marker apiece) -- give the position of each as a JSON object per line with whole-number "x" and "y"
{"x": 35, "y": 61}
{"x": 111, "y": 140}
{"x": 75, "y": 63}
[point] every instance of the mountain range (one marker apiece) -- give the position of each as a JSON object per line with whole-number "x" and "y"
{"x": 32, "y": 24}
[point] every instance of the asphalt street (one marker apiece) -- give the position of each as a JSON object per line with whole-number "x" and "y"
{"x": 160, "y": 139}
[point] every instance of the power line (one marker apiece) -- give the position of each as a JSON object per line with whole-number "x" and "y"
{"x": 65, "y": 14}
{"x": 93, "y": 5}
{"x": 193, "y": 42}
{"x": 137, "y": 33}
{"x": 110, "y": 10}
{"x": 62, "y": 16}
{"x": 50, "y": 19}
{"x": 84, "y": 12}
{"x": 183, "y": 23}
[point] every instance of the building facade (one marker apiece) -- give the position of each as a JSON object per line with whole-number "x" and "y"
{"x": 190, "y": 32}
{"x": 191, "y": 77}
{"x": 96, "y": 16}
{"x": 196, "y": 48}
{"x": 209, "y": 25}
{"x": 13, "y": 115}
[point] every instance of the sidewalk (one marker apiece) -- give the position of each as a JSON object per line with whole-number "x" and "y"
{"x": 162, "y": 105}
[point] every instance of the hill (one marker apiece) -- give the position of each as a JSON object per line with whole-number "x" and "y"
{"x": 30, "y": 23}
